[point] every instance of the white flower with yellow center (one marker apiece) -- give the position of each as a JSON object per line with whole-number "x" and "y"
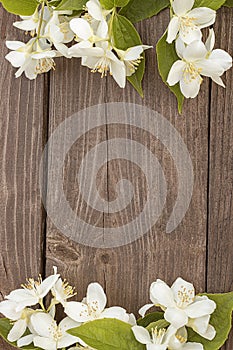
{"x": 62, "y": 291}
{"x": 181, "y": 306}
{"x": 58, "y": 31}
{"x": 33, "y": 58}
{"x": 197, "y": 61}
{"x": 51, "y": 336}
{"x": 178, "y": 341}
{"x": 20, "y": 319}
{"x": 33, "y": 292}
{"x": 93, "y": 307}
{"x": 154, "y": 340}
{"x": 132, "y": 57}
{"x": 187, "y": 22}
{"x": 31, "y": 23}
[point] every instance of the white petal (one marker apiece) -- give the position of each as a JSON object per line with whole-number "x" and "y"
{"x": 96, "y": 296}
{"x": 201, "y": 307}
{"x": 25, "y": 340}
{"x": 199, "y": 324}
{"x": 94, "y": 10}
{"x": 176, "y": 73}
{"x": 17, "y": 330}
{"x": 218, "y": 80}
{"x": 77, "y": 311}
{"x": 63, "y": 49}
{"x": 210, "y": 42}
{"x": 210, "y": 333}
{"x": 161, "y": 294}
{"x": 67, "y": 340}
{"x": 133, "y": 53}
{"x": 115, "y": 312}
{"x": 193, "y": 346}
{"x": 188, "y": 35}
{"x": 67, "y": 323}
{"x": 132, "y": 319}
{"x": 102, "y": 30}
{"x": 42, "y": 323}
{"x": 204, "y": 17}
{"x": 222, "y": 58}
{"x": 81, "y": 28}
{"x": 14, "y": 45}
{"x": 45, "y": 343}
{"x": 118, "y": 71}
{"x": 156, "y": 347}
{"x": 180, "y": 47}
{"x": 208, "y": 68}
{"x": 8, "y": 309}
{"x": 26, "y": 25}
{"x": 176, "y": 317}
{"x": 49, "y": 282}
{"x": 195, "y": 51}
{"x": 181, "y": 7}
{"x": 144, "y": 309}
{"x": 16, "y": 58}
{"x": 190, "y": 87}
{"x": 30, "y": 69}
{"x": 141, "y": 334}
{"x": 173, "y": 29}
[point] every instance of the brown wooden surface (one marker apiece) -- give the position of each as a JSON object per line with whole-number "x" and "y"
{"x": 199, "y": 250}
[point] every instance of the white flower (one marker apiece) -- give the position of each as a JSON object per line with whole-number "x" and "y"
{"x": 101, "y": 59}
{"x": 62, "y": 291}
{"x": 187, "y": 22}
{"x": 157, "y": 340}
{"x": 33, "y": 58}
{"x": 132, "y": 57}
{"x": 49, "y": 335}
{"x": 178, "y": 341}
{"x": 31, "y": 23}
{"x": 58, "y": 31}
{"x": 217, "y": 57}
{"x": 181, "y": 305}
{"x": 196, "y": 62}
{"x": 86, "y": 35}
{"x": 33, "y": 292}
{"x": 96, "y": 11}
{"x": 20, "y": 318}
{"x": 93, "y": 307}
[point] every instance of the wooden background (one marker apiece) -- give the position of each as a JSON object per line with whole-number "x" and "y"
{"x": 201, "y": 248}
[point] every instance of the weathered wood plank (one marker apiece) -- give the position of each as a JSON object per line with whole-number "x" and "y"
{"x": 22, "y": 135}
{"x": 130, "y": 269}
{"x": 220, "y": 243}
{"x": 127, "y": 271}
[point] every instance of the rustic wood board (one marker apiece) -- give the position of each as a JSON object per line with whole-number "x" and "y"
{"x": 220, "y": 222}
{"x": 23, "y": 109}
{"x": 201, "y": 247}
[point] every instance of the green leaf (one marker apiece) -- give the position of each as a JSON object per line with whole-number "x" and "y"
{"x": 20, "y": 7}
{"x": 158, "y": 324}
{"x": 125, "y": 35}
{"x": 229, "y": 3}
{"x": 71, "y": 5}
{"x": 166, "y": 55}
{"x": 109, "y": 4}
{"x": 150, "y": 318}
{"x": 107, "y": 334}
{"x": 213, "y": 4}
{"x": 5, "y": 327}
{"x": 221, "y": 320}
{"x": 138, "y": 10}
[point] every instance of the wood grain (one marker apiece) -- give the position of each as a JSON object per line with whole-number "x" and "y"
{"x": 126, "y": 272}
{"x": 220, "y": 226}
{"x": 22, "y": 135}
{"x": 201, "y": 247}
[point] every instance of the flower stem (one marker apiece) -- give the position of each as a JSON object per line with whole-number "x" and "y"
{"x": 41, "y": 18}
